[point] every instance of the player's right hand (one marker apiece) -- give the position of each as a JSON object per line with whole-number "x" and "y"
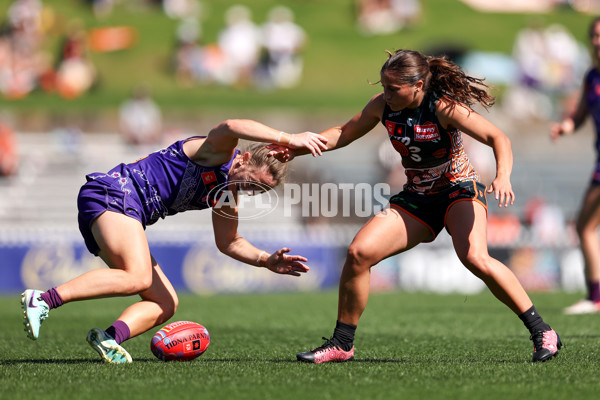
{"x": 565, "y": 127}
{"x": 280, "y": 152}
{"x": 311, "y": 141}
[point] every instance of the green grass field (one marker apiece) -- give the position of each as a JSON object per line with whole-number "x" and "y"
{"x": 409, "y": 345}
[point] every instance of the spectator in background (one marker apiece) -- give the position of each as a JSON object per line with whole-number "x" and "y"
{"x": 188, "y": 53}
{"x": 181, "y": 9}
{"x": 25, "y": 21}
{"x": 9, "y": 158}
{"x": 140, "y": 119}
{"x": 101, "y": 8}
{"x": 380, "y": 17}
{"x": 547, "y": 222}
{"x": 20, "y": 59}
{"x": 283, "y": 40}
{"x": 550, "y": 65}
{"x": 240, "y": 43}
{"x": 75, "y": 74}
{"x": 588, "y": 220}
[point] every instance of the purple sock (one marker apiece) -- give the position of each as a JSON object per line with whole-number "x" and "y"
{"x": 594, "y": 291}
{"x": 119, "y": 331}
{"x": 52, "y": 298}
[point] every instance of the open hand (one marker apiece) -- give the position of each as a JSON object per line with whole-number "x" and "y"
{"x": 282, "y": 263}
{"x": 280, "y": 152}
{"x": 503, "y": 192}
{"x": 566, "y": 127}
{"x": 311, "y": 141}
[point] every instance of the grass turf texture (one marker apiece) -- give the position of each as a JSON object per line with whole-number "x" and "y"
{"x": 409, "y": 345}
{"x": 339, "y": 61}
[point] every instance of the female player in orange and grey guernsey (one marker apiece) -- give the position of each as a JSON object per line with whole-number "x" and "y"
{"x": 425, "y": 106}
{"x": 115, "y": 208}
{"x": 588, "y": 220}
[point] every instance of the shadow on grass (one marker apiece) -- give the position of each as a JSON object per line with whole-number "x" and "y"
{"x": 365, "y": 361}
{"x": 585, "y": 336}
{"x": 273, "y": 361}
{"x": 59, "y": 361}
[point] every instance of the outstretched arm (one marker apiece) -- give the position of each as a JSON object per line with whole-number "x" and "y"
{"x": 474, "y": 125}
{"x": 222, "y": 139}
{"x": 575, "y": 119}
{"x": 340, "y": 136}
{"x": 229, "y": 242}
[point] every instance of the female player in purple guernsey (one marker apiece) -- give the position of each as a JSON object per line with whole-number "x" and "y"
{"x": 588, "y": 220}
{"x": 115, "y": 208}
{"x": 425, "y": 107}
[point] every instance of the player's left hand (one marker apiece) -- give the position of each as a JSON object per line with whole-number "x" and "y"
{"x": 503, "y": 192}
{"x": 282, "y": 263}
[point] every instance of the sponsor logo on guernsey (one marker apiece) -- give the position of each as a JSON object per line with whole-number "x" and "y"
{"x": 391, "y": 127}
{"x": 426, "y": 132}
{"x": 208, "y": 177}
{"x": 395, "y": 128}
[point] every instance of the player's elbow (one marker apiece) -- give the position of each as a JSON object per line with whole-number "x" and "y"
{"x": 225, "y": 245}
{"x": 230, "y": 125}
{"x": 500, "y": 141}
{"x": 222, "y": 246}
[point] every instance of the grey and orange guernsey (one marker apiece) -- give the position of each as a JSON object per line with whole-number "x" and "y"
{"x": 433, "y": 157}
{"x": 438, "y": 171}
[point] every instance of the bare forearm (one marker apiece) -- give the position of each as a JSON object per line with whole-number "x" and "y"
{"x": 335, "y": 140}
{"x": 504, "y": 156}
{"x": 242, "y": 250}
{"x": 255, "y": 131}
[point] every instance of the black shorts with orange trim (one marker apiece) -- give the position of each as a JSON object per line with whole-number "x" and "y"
{"x": 431, "y": 209}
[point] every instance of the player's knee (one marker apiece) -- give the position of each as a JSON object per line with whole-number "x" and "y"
{"x": 584, "y": 229}
{"x": 139, "y": 283}
{"x": 477, "y": 263}
{"x": 168, "y": 306}
{"x": 173, "y": 304}
{"x": 359, "y": 256}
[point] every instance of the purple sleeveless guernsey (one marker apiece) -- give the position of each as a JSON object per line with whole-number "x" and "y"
{"x": 163, "y": 183}
{"x": 592, "y": 101}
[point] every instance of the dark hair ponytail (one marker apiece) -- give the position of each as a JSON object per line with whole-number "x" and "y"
{"x": 439, "y": 75}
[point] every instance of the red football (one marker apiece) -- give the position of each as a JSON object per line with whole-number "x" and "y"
{"x": 180, "y": 341}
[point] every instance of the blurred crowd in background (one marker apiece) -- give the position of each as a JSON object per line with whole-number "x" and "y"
{"x": 247, "y": 53}
{"x": 547, "y": 62}
{"x": 546, "y": 65}
{"x": 380, "y": 17}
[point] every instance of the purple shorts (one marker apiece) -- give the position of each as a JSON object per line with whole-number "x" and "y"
{"x": 94, "y": 199}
